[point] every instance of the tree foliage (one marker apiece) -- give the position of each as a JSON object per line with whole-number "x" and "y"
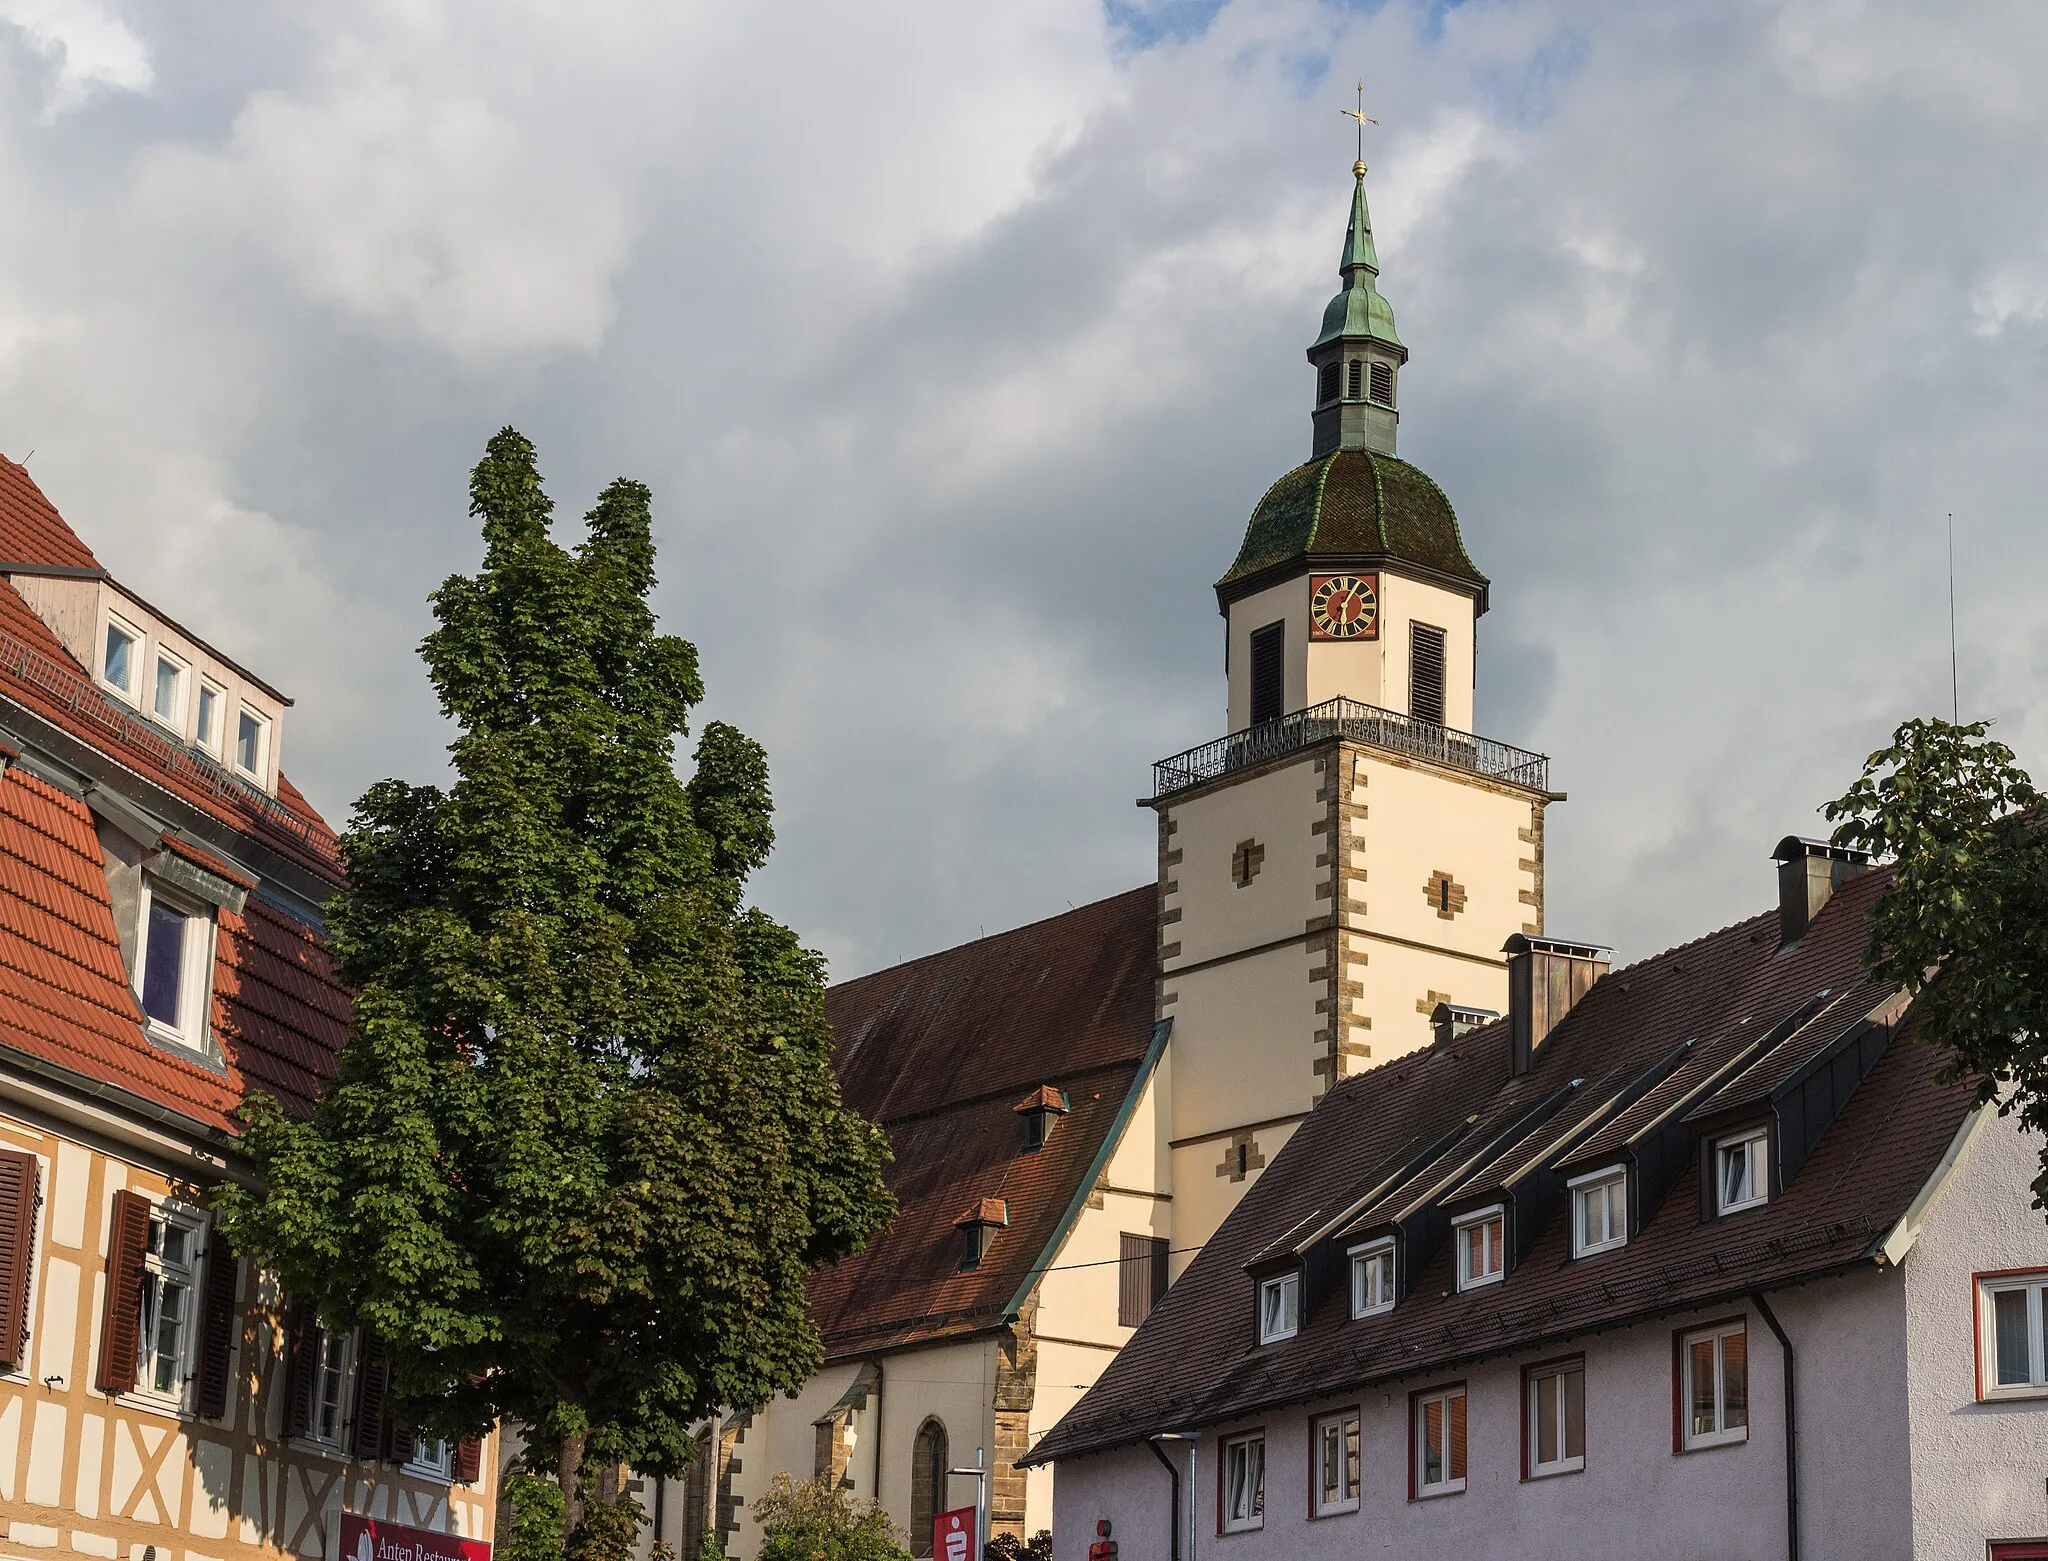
{"x": 585, "y": 1141}
{"x": 813, "y": 1521}
{"x": 1965, "y": 926}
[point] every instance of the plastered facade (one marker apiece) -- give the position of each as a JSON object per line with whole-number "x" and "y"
{"x": 87, "y": 1473}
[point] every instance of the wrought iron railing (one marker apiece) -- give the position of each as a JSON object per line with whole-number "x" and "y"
{"x": 1361, "y": 722}
{"x": 94, "y": 710}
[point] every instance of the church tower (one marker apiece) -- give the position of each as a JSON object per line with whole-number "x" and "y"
{"x": 1350, "y": 856}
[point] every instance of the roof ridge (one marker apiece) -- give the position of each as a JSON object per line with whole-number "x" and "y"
{"x": 1315, "y": 513}
{"x": 990, "y": 937}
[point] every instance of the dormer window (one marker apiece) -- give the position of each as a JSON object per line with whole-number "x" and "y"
{"x": 167, "y": 691}
{"x": 174, "y": 962}
{"x": 1742, "y": 1171}
{"x": 1383, "y": 384}
{"x": 1478, "y": 1237}
{"x": 978, "y": 1227}
{"x": 117, "y": 663}
{"x": 1372, "y": 1279}
{"x": 251, "y": 734}
{"x": 1599, "y": 1212}
{"x": 1039, "y": 1110}
{"x": 1279, "y": 1307}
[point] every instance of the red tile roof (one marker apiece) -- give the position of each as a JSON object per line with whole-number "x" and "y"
{"x": 1194, "y": 1363}
{"x": 31, "y": 530}
{"x": 938, "y": 1051}
{"x": 278, "y": 1012}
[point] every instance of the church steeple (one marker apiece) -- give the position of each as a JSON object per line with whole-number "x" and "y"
{"x": 1358, "y": 356}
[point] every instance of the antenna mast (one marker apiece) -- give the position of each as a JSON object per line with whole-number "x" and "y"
{"x": 1954, "y": 686}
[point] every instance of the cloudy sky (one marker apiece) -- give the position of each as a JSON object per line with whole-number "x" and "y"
{"x": 957, "y": 341}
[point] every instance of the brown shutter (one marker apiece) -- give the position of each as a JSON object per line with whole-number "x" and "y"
{"x": 1456, "y": 1461}
{"x": 1426, "y": 673}
{"x": 1269, "y": 673}
{"x": 121, "y": 1321}
{"x": 1161, "y": 1251}
{"x": 19, "y": 1175}
{"x": 370, "y": 1437}
{"x": 469, "y": 1460}
{"x": 1140, "y": 1277}
{"x": 302, "y": 1366}
{"x": 216, "y": 1326}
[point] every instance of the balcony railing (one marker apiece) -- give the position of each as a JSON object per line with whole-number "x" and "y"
{"x": 93, "y": 709}
{"x": 1360, "y": 722}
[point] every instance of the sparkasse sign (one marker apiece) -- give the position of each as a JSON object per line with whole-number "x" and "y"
{"x": 952, "y": 1535}
{"x": 368, "y": 1539}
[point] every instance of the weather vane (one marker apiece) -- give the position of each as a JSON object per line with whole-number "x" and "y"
{"x": 1364, "y": 119}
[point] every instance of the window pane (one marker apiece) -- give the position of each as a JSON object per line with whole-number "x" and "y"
{"x": 166, "y": 701}
{"x": 1735, "y": 1381}
{"x": 169, "y": 1330}
{"x": 1734, "y": 1176}
{"x": 163, "y": 963}
{"x": 1255, "y": 1460}
{"x": 1433, "y": 1442}
{"x": 1475, "y": 1252}
{"x": 248, "y": 742}
{"x": 1546, "y": 1419}
{"x": 1234, "y": 1504}
{"x": 1700, "y": 1387}
{"x": 1575, "y": 1413}
{"x": 207, "y": 699}
{"x": 1350, "y": 1458}
{"x": 2009, "y": 1313}
{"x": 119, "y": 659}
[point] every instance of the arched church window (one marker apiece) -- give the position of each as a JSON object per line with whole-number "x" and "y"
{"x": 1356, "y": 387}
{"x": 1326, "y": 383}
{"x": 928, "y": 1461}
{"x": 1383, "y": 383}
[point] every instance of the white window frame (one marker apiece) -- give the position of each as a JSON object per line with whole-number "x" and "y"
{"x": 1450, "y": 1484}
{"x": 1286, "y": 1290}
{"x": 1491, "y": 1246}
{"x": 1371, "y": 1256}
{"x": 1346, "y": 1428}
{"x": 234, "y": 747}
{"x": 178, "y": 720}
{"x": 164, "y": 1215}
{"x": 1755, "y": 1143}
{"x": 1250, "y": 1513}
{"x": 211, "y": 742}
{"x": 1613, "y": 1179}
{"x": 1565, "y": 1462}
{"x": 337, "y": 1357}
{"x": 1723, "y": 1434}
{"x": 138, "y": 653}
{"x": 437, "y": 1462}
{"x": 2032, "y": 1282}
{"x": 193, "y": 1030}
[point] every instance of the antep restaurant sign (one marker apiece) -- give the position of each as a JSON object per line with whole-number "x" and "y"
{"x": 367, "y": 1539}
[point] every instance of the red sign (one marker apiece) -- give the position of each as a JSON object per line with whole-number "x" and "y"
{"x": 952, "y": 1536}
{"x": 367, "y": 1539}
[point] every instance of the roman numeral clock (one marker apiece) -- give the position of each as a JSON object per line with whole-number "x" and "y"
{"x": 1344, "y": 607}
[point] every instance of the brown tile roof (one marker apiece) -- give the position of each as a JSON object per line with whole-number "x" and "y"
{"x": 1194, "y": 1362}
{"x": 31, "y": 530}
{"x": 938, "y": 1051}
{"x": 278, "y": 1012}
{"x": 985, "y": 1211}
{"x": 1047, "y": 1097}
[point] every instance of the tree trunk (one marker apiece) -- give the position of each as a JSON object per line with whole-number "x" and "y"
{"x": 570, "y": 1475}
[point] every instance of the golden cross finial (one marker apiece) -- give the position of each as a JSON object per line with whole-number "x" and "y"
{"x": 1364, "y": 119}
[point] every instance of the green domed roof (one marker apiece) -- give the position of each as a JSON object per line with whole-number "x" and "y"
{"x": 1351, "y": 507}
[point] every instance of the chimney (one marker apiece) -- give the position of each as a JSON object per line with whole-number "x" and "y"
{"x": 1809, "y": 873}
{"x": 1451, "y": 1020}
{"x": 1546, "y": 976}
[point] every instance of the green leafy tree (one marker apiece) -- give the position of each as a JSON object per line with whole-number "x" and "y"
{"x": 1965, "y": 926}
{"x": 813, "y": 1521}
{"x": 586, "y": 1140}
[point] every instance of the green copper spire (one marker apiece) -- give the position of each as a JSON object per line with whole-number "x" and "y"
{"x": 1359, "y": 311}
{"x": 1358, "y": 355}
{"x": 1358, "y": 250}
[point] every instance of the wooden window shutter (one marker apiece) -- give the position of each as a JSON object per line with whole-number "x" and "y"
{"x": 1269, "y": 673}
{"x": 1426, "y": 673}
{"x": 469, "y": 1460}
{"x": 20, "y": 1176}
{"x": 1455, "y": 1463}
{"x": 302, "y": 1367}
{"x": 121, "y": 1321}
{"x": 370, "y": 1437}
{"x": 1141, "y": 1277}
{"x": 216, "y": 1326}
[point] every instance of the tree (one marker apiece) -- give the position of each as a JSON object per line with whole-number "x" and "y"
{"x": 1964, "y": 927}
{"x": 813, "y": 1521}
{"x": 585, "y": 1140}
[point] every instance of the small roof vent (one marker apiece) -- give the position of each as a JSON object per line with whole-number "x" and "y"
{"x": 1451, "y": 1020}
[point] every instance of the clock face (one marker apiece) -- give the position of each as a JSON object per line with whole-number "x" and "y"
{"x": 1344, "y": 607}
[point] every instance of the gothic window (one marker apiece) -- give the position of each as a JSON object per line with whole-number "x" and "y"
{"x": 1383, "y": 383}
{"x": 1268, "y": 686}
{"x": 1354, "y": 388}
{"x": 927, "y": 1484}
{"x": 1326, "y": 383}
{"x": 1426, "y": 673}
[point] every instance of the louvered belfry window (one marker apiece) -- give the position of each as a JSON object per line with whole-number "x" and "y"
{"x": 19, "y": 1177}
{"x": 1356, "y": 387}
{"x": 1426, "y": 673}
{"x": 1269, "y": 646}
{"x": 1141, "y": 1277}
{"x": 1326, "y": 383}
{"x": 1383, "y": 383}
